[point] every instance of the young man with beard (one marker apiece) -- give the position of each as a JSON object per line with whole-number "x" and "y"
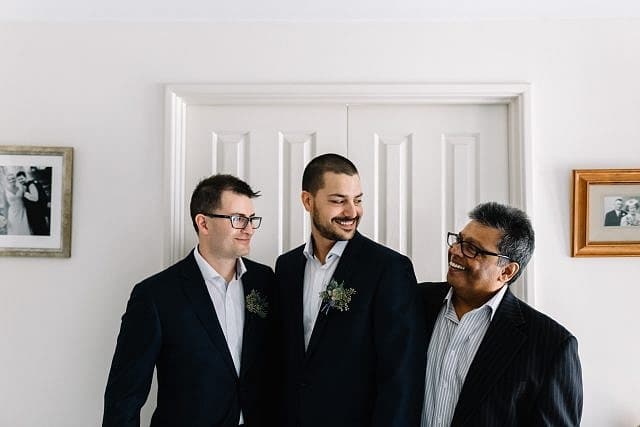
{"x": 204, "y": 323}
{"x": 490, "y": 359}
{"x": 347, "y": 315}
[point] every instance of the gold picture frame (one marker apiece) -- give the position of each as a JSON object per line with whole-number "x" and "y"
{"x": 602, "y": 199}
{"x": 35, "y": 201}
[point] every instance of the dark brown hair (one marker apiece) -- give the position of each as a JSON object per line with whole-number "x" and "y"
{"x": 208, "y": 193}
{"x": 312, "y": 178}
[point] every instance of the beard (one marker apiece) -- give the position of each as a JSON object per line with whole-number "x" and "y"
{"x": 332, "y": 231}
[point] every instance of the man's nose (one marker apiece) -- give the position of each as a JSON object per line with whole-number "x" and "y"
{"x": 248, "y": 229}
{"x": 349, "y": 209}
{"x": 456, "y": 249}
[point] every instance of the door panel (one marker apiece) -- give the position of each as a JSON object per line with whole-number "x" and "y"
{"x": 423, "y": 168}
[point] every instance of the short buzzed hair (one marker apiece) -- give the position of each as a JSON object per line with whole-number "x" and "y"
{"x": 208, "y": 193}
{"x": 518, "y": 239}
{"x": 312, "y": 178}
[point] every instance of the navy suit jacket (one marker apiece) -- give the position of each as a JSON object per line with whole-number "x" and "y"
{"x": 526, "y": 371}
{"x": 170, "y": 323}
{"x": 359, "y": 368}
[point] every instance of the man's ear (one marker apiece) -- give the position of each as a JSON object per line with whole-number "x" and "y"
{"x": 307, "y": 200}
{"x": 201, "y": 222}
{"x": 508, "y": 271}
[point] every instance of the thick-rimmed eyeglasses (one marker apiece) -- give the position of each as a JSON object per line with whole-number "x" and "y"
{"x": 238, "y": 221}
{"x": 469, "y": 249}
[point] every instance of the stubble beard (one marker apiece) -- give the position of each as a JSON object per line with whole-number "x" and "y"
{"x": 329, "y": 233}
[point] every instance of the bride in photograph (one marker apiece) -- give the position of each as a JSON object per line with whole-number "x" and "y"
{"x": 17, "y": 222}
{"x": 633, "y": 215}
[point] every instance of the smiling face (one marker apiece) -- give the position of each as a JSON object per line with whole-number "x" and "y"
{"x": 218, "y": 237}
{"x": 336, "y": 208}
{"x": 618, "y": 205}
{"x": 480, "y": 277}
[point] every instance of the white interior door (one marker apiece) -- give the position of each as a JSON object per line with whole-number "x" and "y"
{"x": 423, "y": 168}
{"x": 427, "y": 154}
{"x": 268, "y": 146}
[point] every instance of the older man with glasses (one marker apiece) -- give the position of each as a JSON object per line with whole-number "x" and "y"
{"x": 203, "y": 323}
{"x": 490, "y": 359}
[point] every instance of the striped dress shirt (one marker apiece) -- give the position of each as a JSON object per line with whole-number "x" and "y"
{"x": 453, "y": 346}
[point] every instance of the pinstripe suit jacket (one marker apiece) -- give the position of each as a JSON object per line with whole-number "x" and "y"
{"x": 526, "y": 371}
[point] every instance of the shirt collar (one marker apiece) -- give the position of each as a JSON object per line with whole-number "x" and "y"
{"x": 208, "y": 272}
{"x": 495, "y": 300}
{"x": 336, "y": 250}
{"x": 492, "y": 304}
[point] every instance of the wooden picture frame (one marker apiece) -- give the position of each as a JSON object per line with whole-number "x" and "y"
{"x": 606, "y": 212}
{"x": 35, "y": 201}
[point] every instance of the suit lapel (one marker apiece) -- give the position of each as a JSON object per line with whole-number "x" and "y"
{"x": 433, "y": 304}
{"x": 297, "y": 289}
{"x": 249, "y": 338}
{"x": 500, "y": 344}
{"x": 196, "y": 290}
{"x": 347, "y": 264}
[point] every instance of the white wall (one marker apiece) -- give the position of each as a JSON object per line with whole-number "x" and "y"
{"x": 99, "y": 88}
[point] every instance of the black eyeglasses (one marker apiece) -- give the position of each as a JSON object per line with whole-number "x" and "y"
{"x": 238, "y": 221}
{"x": 469, "y": 249}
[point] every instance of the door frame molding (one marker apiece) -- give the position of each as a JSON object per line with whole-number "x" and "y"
{"x": 178, "y": 97}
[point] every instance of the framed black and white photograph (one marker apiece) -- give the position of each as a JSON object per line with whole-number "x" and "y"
{"x": 35, "y": 200}
{"x": 606, "y": 212}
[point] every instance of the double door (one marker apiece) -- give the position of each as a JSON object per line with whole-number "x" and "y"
{"x": 422, "y": 167}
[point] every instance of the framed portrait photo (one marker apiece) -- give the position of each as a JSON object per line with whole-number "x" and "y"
{"x": 35, "y": 201}
{"x": 606, "y": 212}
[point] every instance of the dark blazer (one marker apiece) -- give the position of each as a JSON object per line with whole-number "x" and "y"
{"x": 526, "y": 371}
{"x": 359, "y": 368}
{"x": 612, "y": 219}
{"x": 170, "y": 323}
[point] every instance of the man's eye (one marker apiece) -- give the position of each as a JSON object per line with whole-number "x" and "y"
{"x": 337, "y": 202}
{"x": 357, "y": 202}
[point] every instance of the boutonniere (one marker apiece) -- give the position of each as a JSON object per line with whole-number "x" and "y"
{"x": 257, "y": 304}
{"x": 336, "y": 296}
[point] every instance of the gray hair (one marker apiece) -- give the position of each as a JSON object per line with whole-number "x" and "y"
{"x": 517, "y": 241}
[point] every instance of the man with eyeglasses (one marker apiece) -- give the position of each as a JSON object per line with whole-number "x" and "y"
{"x": 491, "y": 360}
{"x": 203, "y": 323}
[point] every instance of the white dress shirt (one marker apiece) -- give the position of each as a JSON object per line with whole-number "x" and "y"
{"x": 228, "y": 301}
{"x": 316, "y": 279}
{"x": 453, "y": 347}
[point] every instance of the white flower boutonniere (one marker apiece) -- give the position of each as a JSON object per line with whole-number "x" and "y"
{"x": 256, "y": 304}
{"x": 336, "y": 296}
